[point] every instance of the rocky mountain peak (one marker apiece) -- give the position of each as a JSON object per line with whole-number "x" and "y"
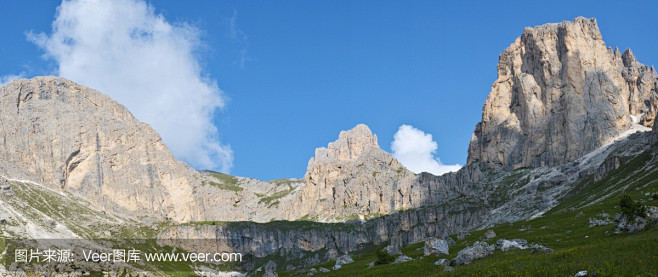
{"x": 586, "y": 28}
{"x": 352, "y": 175}
{"x": 560, "y": 94}
{"x": 629, "y": 59}
{"x": 349, "y": 146}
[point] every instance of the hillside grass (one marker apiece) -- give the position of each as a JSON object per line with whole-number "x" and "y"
{"x": 228, "y": 182}
{"x": 42, "y": 205}
{"x": 576, "y": 245}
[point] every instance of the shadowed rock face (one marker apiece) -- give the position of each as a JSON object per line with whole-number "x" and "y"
{"x": 654, "y": 138}
{"x": 560, "y": 94}
{"x": 70, "y": 137}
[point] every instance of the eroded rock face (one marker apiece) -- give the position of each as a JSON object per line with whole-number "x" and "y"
{"x": 560, "y": 94}
{"x": 70, "y": 137}
{"x": 352, "y": 176}
{"x": 654, "y": 137}
{"x": 642, "y": 82}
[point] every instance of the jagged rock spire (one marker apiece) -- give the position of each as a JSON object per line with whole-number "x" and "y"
{"x": 560, "y": 94}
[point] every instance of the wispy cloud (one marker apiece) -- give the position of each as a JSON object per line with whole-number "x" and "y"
{"x": 8, "y": 78}
{"x": 127, "y": 50}
{"x": 240, "y": 37}
{"x": 416, "y": 150}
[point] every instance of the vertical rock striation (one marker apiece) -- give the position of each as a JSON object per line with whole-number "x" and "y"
{"x": 560, "y": 94}
{"x": 654, "y": 137}
{"x": 642, "y": 82}
{"x": 70, "y": 137}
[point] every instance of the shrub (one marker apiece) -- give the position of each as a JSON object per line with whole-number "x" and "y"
{"x": 383, "y": 257}
{"x": 632, "y": 208}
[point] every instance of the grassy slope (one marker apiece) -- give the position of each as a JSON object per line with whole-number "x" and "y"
{"x": 577, "y": 246}
{"x": 602, "y": 251}
{"x": 38, "y": 203}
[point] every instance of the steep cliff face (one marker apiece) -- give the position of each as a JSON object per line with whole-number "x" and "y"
{"x": 304, "y": 243}
{"x": 642, "y": 82}
{"x": 560, "y": 94}
{"x": 73, "y": 138}
{"x": 352, "y": 176}
{"x": 654, "y": 138}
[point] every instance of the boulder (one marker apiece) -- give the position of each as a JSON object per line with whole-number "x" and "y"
{"x": 402, "y": 259}
{"x": 597, "y": 222}
{"x": 270, "y": 269}
{"x": 477, "y": 251}
{"x": 443, "y": 262}
{"x": 581, "y": 273}
{"x": 436, "y": 246}
{"x": 506, "y": 245}
{"x": 345, "y": 259}
{"x": 490, "y": 234}
{"x": 540, "y": 249}
{"x": 312, "y": 272}
{"x": 627, "y": 224}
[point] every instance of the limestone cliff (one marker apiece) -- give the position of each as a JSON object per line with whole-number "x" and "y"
{"x": 642, "y": 82}
{"x": 654, "y": 138}
{"x": 560, "y": 94}
{"x": 454, "y": 203}
{"x": 70, "y": 137}
{"x": 353, "y": 176}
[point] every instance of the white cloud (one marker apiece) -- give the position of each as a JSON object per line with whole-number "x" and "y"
{"x": 8, "y": 78}
{"x": 238, "y": 36}
{"x": 125, "y": 49}
{"x": 415, "y": 150}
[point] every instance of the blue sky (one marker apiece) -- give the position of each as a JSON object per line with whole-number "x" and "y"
{"x": 293, "y": 74}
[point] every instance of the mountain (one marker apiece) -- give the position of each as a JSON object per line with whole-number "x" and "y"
{"x": 73, "y": 138}
{"x": 354, "y": 177}
{"x": 560, "y": 94}
{"x": 565, "y": 132}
